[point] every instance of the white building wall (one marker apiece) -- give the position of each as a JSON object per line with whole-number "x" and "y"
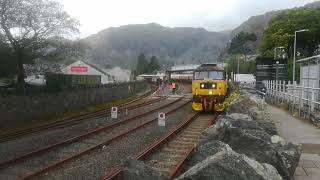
{"x": 309, "y": 78}
{"x": 81, "y": 68}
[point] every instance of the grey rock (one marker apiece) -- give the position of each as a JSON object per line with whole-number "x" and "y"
{"x": 137, "y": 170}
{"x": 250, "y": 104}
{"x": 240, "y": 116}
{"x": 230, "y": 165}
{"x": 205, "y": 149}
{"x": 247, "y": 137}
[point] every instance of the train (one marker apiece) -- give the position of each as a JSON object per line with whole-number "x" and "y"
{"x": 182, "y": 77}
{"x": 209, "y": 88}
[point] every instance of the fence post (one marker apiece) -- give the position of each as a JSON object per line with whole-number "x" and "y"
{"x": 283, "y": 91}
{"x": 312, "y": 98}
{"x": 301, "y": 97}
{"x": 273, "y": 88}
{"x": 270, "y": 84}
{"x": 289, "y": 87}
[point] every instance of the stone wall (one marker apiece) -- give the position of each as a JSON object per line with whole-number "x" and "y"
{"x": 15, "y": 109}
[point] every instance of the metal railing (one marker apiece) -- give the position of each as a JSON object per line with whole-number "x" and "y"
{"x": 299, "y": 96}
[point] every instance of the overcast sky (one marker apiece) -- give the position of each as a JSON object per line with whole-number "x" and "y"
{"x": 214, "y": 15}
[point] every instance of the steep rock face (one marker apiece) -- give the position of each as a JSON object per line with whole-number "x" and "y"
{"x": 228, "y": 164}
{"x": 121, "y": 46}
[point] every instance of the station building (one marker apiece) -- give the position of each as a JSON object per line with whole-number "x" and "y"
{"x": 84, "y": 68}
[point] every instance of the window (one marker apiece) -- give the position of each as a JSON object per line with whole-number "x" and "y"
{"x": 201, "y": 75}
{"x": 216, "y": 75}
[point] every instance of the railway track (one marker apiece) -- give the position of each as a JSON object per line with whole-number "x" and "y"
{"x": 100, "y": 138}
{"x": 78, "y": 119}
{"x": 168, "y": 154}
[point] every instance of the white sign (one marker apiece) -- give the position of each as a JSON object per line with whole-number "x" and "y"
{"x": 161, "y": 119}
{"x": 114, "y": 112}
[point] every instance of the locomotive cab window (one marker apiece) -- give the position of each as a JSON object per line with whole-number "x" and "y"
{"x": 201, "y": 75}
{"x": 216, "y": 75}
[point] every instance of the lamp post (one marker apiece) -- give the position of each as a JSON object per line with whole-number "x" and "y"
{"x": 294, "y": 54}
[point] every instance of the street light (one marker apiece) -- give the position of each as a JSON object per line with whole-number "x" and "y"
{"x": 294, "y": 53}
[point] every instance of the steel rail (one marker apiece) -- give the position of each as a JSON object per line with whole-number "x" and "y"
{"x": 182, "y": 163}
{"x": 108, "y": 142}
{"x": 78, "y": 138}
{"x": 74, "y": 120}
{"x": 116, "y": 173}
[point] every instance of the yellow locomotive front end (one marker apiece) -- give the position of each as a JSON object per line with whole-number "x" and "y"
{"x": 209, "y": 87}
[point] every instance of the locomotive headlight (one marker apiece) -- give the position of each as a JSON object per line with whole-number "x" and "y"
{"x": 210, "y": 92}
{"x": 213, "y": 85}
{"x": 202, "y": 85}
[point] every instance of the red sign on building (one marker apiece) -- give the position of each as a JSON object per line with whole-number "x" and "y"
{"x": 79, "y": 69}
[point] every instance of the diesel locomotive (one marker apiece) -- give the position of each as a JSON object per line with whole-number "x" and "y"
{"x": 209, "y": 87}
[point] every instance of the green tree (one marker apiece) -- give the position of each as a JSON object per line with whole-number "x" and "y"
{"x": 281, "y": 29}
{"x": 141, "y": 65}
{"x": 27, "y": 24}
{"x": 245, "y": 67}
{"x": 239, "y": 44}
{"x": 153, "y": 65}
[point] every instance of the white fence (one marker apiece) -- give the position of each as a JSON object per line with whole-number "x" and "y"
{"x": 299, "y": 96}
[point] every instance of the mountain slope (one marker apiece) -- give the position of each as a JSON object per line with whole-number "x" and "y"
{"x": 121, "y": 46}
{"x": 257, "y": 24}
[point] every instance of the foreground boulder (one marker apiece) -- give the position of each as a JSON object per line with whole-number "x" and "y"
{"x": 230, "y": 165}
{"x": 137, "y": 170}
{"x": 257, "y": 142}
{"x": 205, "y": 149}
{"x": 251, "y": 105}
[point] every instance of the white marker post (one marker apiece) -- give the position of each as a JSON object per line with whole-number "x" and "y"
{"x": 114, "y": 112}
{"x": 161, "y": 119}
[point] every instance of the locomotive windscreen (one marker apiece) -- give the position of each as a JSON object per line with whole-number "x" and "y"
{"x": 201, "y": 75}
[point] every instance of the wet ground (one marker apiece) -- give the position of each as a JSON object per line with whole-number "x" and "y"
{"x": 300, "y": 131}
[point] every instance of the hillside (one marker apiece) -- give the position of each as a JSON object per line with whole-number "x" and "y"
{"x": 257, "y": 24}
{"x": 121, "y": 46}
